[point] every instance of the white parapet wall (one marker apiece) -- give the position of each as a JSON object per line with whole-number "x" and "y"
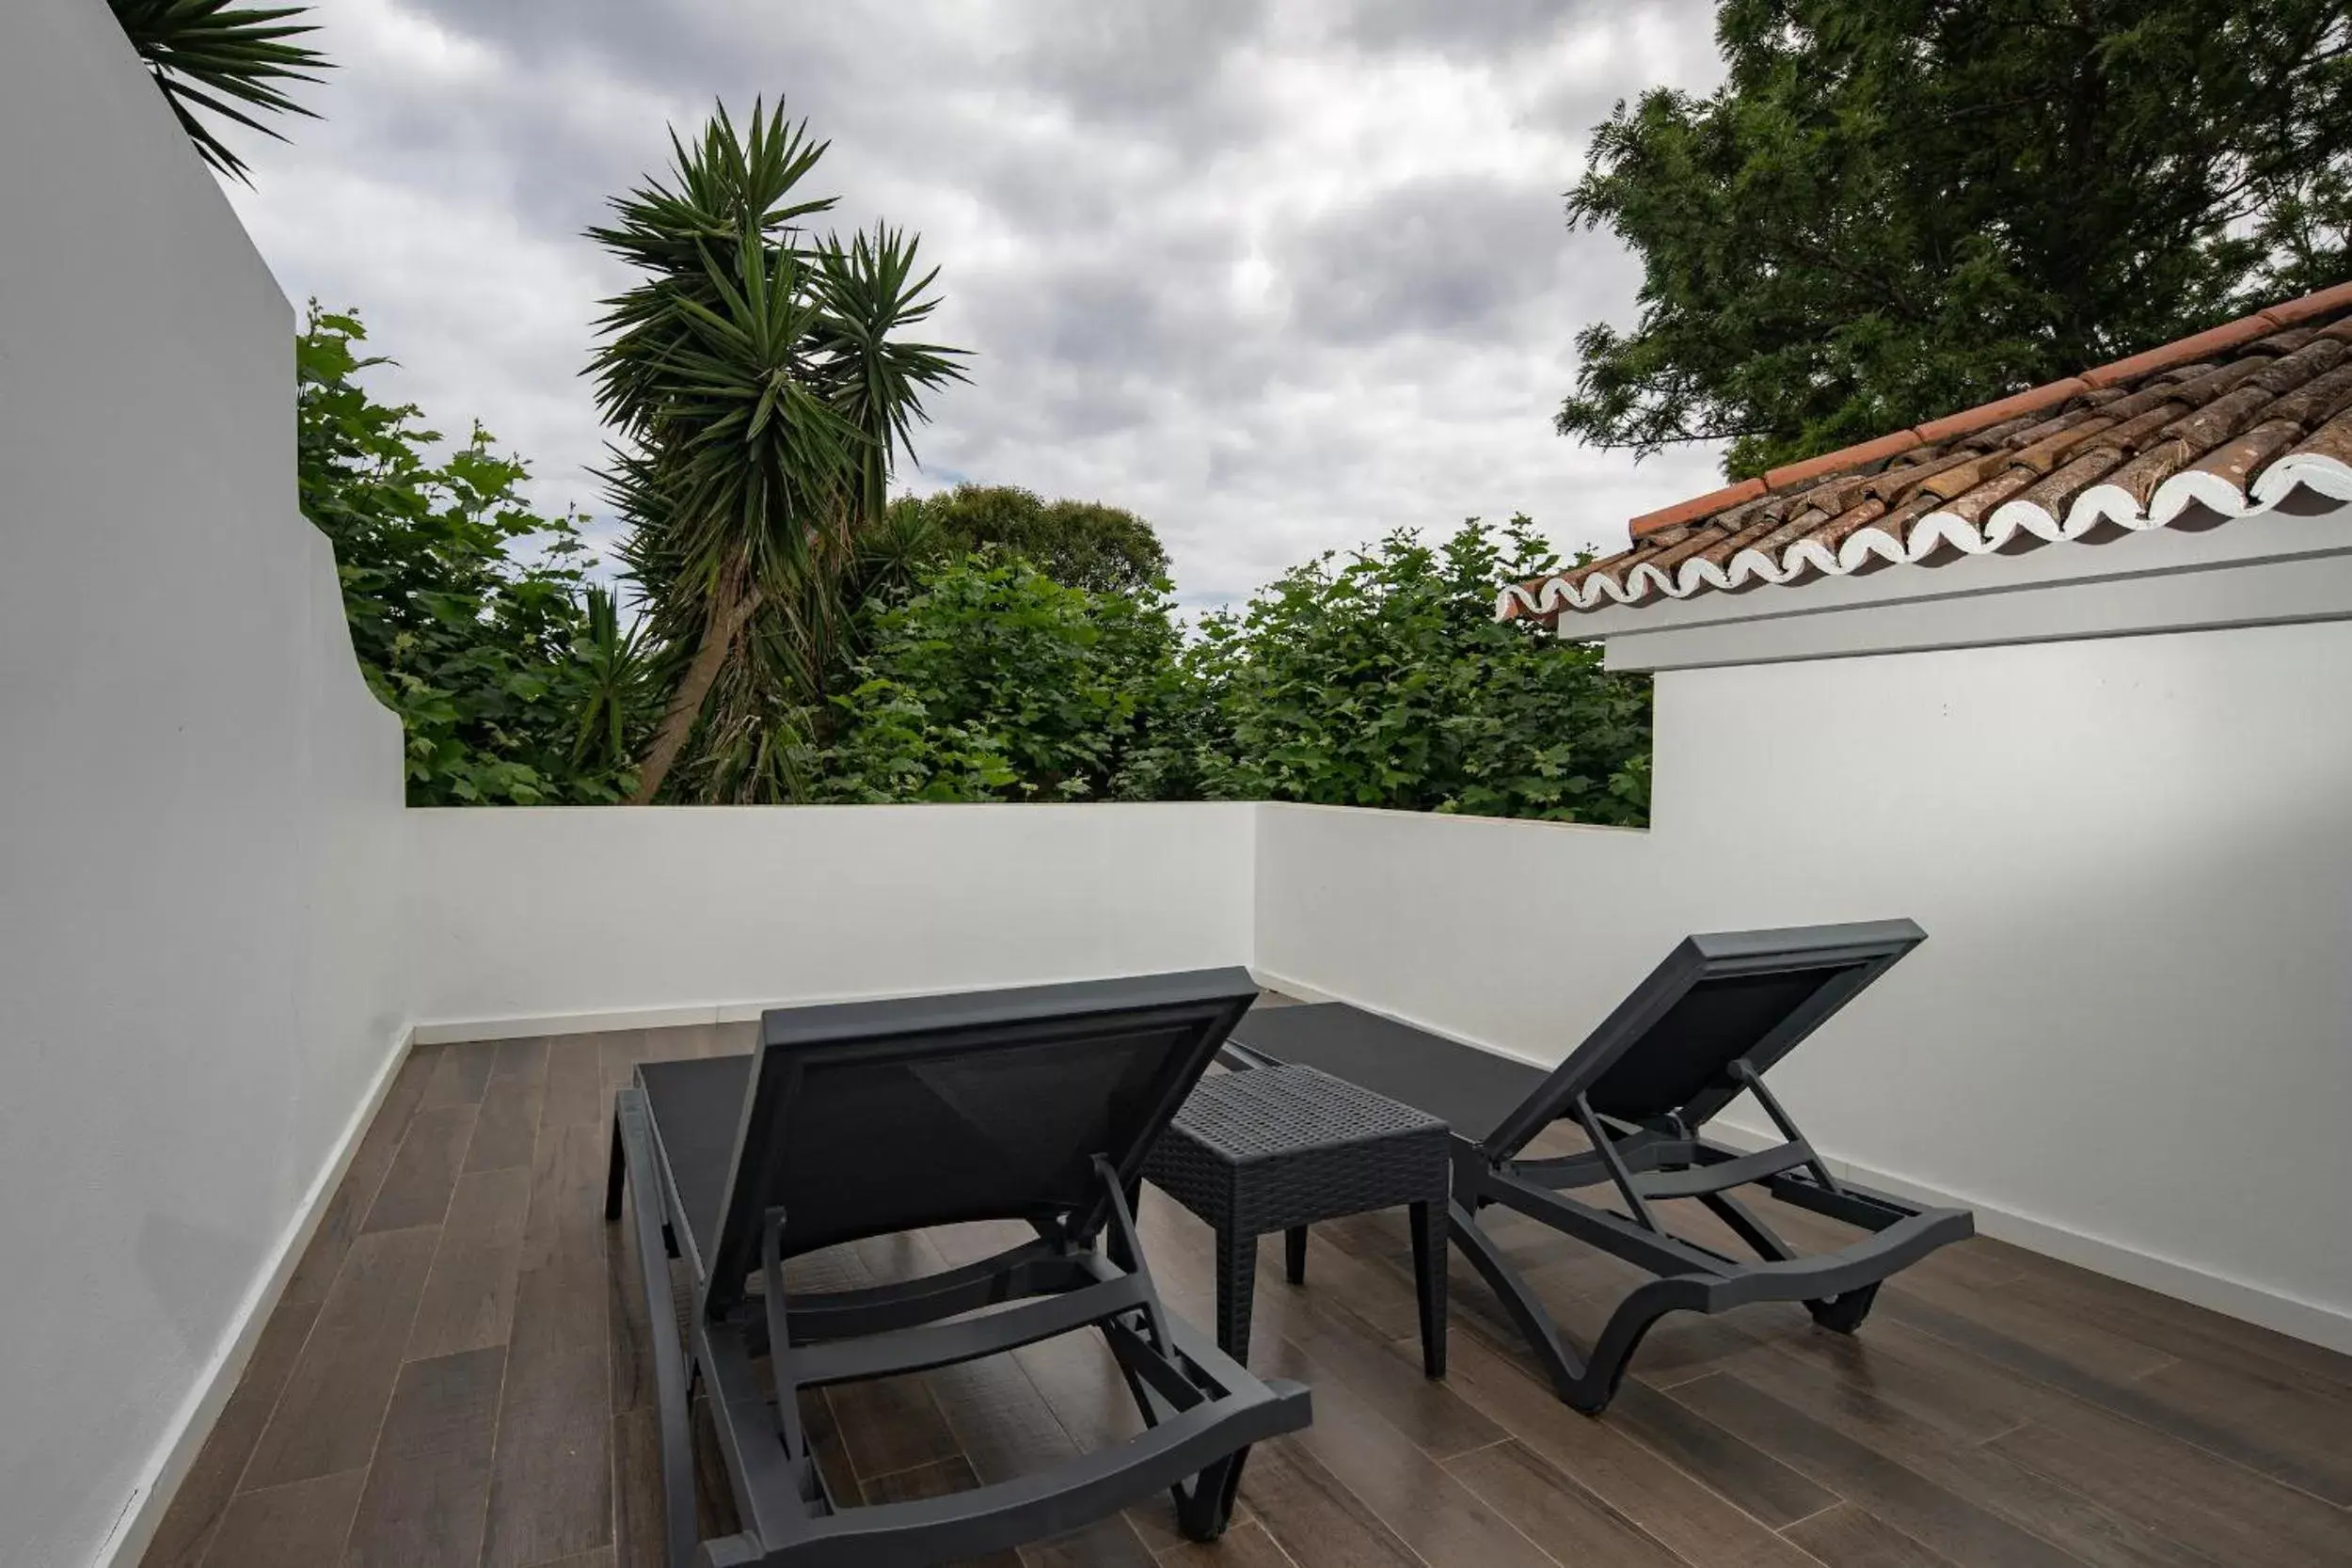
{"x": 199, "y": 801}
{"x": 538, "y": 921}
{"x": 2128, "y": 1038}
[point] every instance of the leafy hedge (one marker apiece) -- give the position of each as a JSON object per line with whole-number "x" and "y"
{"x": 1375, "y": 679}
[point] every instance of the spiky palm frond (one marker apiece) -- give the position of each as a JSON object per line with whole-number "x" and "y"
{"x": 871, "y": 296}
{"x": 759, "y": 391}
{"x": 720, "y": 185}
{"x": 205, "y": 56}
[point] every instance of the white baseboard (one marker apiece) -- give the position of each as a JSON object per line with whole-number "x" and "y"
{"x": 2320, "y": 1324}
{"x": 143, "y": 1511}
{"x": 2293, "y": 1316}
{"x": 525, "y": 1026}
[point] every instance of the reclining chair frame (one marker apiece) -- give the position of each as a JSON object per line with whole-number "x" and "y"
{"x": 1661, "y": 1156}
{"x": 1201, "y": 1410}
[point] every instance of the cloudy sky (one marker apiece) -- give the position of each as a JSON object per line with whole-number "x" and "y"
{"x": 1278, "y": 278}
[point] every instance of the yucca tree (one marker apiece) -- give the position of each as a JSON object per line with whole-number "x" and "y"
{"x": 758, "y": 381}
{"x": 206, "y": 56}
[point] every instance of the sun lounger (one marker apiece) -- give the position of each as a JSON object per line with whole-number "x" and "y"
{"x": 856, "y": 1120}
{"x": 1702, "y": 1030}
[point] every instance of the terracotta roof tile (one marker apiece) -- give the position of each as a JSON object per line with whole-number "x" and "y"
{"x": 1699, "y": 506}
{"x": 2231, "y": 420}
{"x": 1970, "y": 419}
{"x": 1790, "y": 475}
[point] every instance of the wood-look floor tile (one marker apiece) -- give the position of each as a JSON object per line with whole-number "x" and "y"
{"x": 325, "y": 1420}
{"x": 1245, "y": 1545}
{"x": 508, "y": 1123}
{"x": 468, "y": 1299}
{"x": 488, "y": 1206}
{"x": 462, "y": 1073}
{"x": 1938, "y": 1518}
{"x": 2069, "y": 1519}
{"x": 2220, "y": 1511}
{"x": 890, "y": 1424}
{"x": 1316, "y": 1521}
{"x": 1411, "y": 1492}
{"x": 429, "y": 1486}
{"x": 1636, "y": 1480}
{"x": 525, "y": 1058}
{"x": 2227, "y": 1426}
{"x": 1849, "y": 1537}
{"x": 416, "y": 1191}
{"x": 1555, "y": 1512}
{"x": 205, "y": 1493}
{"x": 574, "y": 1090}
{"x": 1754, "y": 1480}
{"x": 298, "y": 1525}
{"x": 347, "y": 1210}
{"x": 550, "y": 1484}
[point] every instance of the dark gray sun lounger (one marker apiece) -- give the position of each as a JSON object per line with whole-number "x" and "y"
{"x": 860, "y": 1119}
{"x": 1702, "y": 1030}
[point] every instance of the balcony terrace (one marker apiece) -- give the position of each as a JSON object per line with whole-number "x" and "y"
{"x": 458, "y": 1373}
{"x": 305, "y": 1094}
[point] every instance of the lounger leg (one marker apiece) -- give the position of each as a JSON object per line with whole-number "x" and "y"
{"x": 1204, "y": 1504}
{"x": 1844, "y": 1314}
{"x": 1840, "y": 1314}
{"x": 1236, "y": 1292}
{"x": 1565, "y": 1368}
{"x": 1586, "y": 1384}
{"x": 1430, "y": 1228}
{"x": 1295, "y": 1254}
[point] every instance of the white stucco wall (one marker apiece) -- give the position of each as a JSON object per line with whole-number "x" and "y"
{"x": 2129, "y": 1034}
{"x": 522, "y": 919}
{"x": 200, "y": 802}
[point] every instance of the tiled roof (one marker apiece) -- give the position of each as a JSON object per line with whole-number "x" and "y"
{"x": 2230, "y": 419}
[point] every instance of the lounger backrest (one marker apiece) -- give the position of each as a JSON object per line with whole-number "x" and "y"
{"x": 875, "y": 1116}
{"x": 1719, "y": 998}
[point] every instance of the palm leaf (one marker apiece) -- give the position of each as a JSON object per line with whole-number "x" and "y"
{"x": 206, "y": 56}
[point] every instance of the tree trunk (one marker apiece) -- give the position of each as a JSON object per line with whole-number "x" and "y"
{"x": 732, "y": 607}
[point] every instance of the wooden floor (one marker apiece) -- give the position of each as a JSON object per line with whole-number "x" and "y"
{"x": 457, "y": 1375}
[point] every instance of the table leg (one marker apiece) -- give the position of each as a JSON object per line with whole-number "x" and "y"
{"x": 1295, "y": 1254}
{"x": 1236, "y": 1292}
{"x": 1430, "y": 1260}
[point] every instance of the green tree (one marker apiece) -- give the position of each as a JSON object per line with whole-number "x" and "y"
{"x": 762, "y": 386}
{"x": 993, "y": 682}
{"x": 205, "y": 55}
{"x": 1383, "y": 679}
{"x": 1893, "y": 209}
{"x": 1078, "y": 544}
{"x": 514, "y": 680}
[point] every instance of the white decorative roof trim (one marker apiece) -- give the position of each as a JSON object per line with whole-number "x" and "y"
{"x": 2099, "y": 504}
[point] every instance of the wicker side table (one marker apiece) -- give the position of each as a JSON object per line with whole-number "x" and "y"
{"x": 1279, "y": 1148}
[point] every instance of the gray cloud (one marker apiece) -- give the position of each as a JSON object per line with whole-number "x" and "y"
{"x": 1280, "y": 278}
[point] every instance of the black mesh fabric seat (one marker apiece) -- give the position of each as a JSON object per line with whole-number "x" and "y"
{"x": 1700, "y": 1032}
{"x": 1036, "y": 1104}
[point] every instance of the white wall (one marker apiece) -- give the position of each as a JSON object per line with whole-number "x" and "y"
{"x": 2129, "y": 1034}
{"x": 198, "y": 800}
{"x": 531, "y": 917}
